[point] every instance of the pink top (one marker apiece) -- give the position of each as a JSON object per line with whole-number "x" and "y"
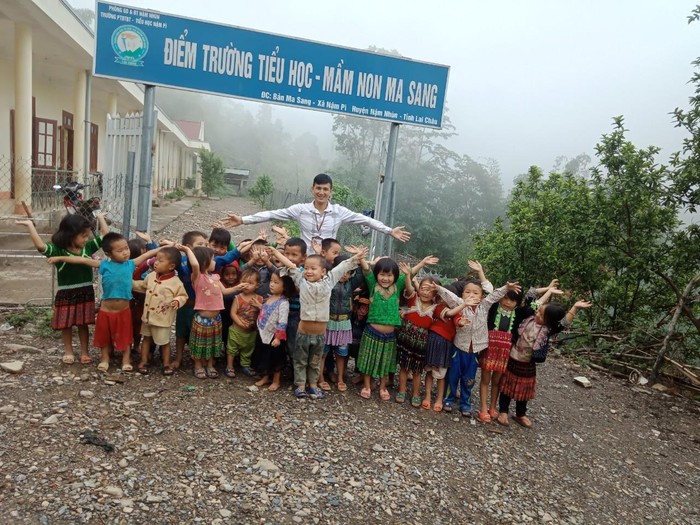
{"x": 207, "y": 292}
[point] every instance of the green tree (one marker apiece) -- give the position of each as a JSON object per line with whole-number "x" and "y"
{"x": 212, "y": 171}
{"x": 262, "y": 189}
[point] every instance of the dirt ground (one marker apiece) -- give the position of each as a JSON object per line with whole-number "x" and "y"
{"x": 221, "y": 451}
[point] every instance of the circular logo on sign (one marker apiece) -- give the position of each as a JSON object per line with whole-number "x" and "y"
{"x": 130, "y": 44}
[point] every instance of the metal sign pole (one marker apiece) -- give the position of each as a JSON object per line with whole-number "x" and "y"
{"x": 128, "y": 192}
{"x": 146, "y": 161}
{"x": 385, "y": 211}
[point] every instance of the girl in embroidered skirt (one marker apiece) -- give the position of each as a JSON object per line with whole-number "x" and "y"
{"x": 205, "y": 337}
{"x": 270, "y": 351}
{"x": 438, "y": 352}
{"x": 377, "y": 355}
{"x": 339, "y": 330}
{"x": 412, "y": 338}
{"x": 493, "y": 360}
{"x": 533, "y": 333}
{"x": 74, "y": 304}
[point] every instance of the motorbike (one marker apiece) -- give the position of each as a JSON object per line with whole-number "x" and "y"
{"x": 75, "y": 203}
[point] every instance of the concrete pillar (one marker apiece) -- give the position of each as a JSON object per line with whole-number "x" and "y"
{"x": 23, "y": 116}
{"x": 112, "y": 105}
{"x": 79, "y": 126}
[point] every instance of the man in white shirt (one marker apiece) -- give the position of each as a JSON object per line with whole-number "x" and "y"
{"x": 319, "y": 219}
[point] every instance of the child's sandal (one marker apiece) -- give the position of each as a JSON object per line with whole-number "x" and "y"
{"x": 200, "y": 373}
{"x": 401, "y": 397}
{"x": 415, "y": 402}
{"x": 484, "y": 417}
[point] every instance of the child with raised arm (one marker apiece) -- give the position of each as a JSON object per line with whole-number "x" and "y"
{"x": 503, "y": 321}
{"x": 164, "y": 294}
{"x": 114, "y": 326}
{"x": 205, "y": 337}
{"x": 74, "y": 304}
{"x": 272, "y": 331}
{"x": 377, "y": 354}
{"x": 315, "y": 284}
{"x": 241, "y": 335}
{"x": 542, "y": 320}
{"x": 470, "y": 339}
{"x": 339, "y": 330}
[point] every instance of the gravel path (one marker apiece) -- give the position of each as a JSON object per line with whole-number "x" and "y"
{"x": 222, "y": 451}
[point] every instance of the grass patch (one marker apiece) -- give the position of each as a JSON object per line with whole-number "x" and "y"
{"x": 39, "y": 318}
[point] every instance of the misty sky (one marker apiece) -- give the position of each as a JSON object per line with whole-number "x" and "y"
{"x": 529, "y": 80}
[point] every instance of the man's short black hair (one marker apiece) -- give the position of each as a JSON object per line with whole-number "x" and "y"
{"x": 322, "y": 178}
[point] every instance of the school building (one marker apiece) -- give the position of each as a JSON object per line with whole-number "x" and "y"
{"x": 55, "y": 115}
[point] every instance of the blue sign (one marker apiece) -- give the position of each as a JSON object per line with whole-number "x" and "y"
{"x": 166, "y": 50}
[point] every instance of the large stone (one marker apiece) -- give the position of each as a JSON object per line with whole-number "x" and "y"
{"x": 22, "y": 348}
{"x": 13, "y": 367}
{"x": 266, "y": 464}
{"x": 583, "y": 381}
{"x": 113, "y": 491}
{"x": 51, "y": 420}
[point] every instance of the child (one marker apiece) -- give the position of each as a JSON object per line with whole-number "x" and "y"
{"x": 418, "y": 316}
{"x": 260, "y": 262}
{"x": 205, "y": 340}
{"x": 272, "y": 331}
{"x": 185, "y": 315}
{"x": 377, "y": 355}
{"x": 315, "y": 284}
{"x": 74, "y": 304}
{"x": 330, "y": 249}
{"x": 533, "y": 333}
{"x": 138, "y": 246}
{"x": 438, "y": 354}
{"x": 164, "y": 294}
{"x": 244, "y": 311}
{"x": 295, "y": 251}
{"x": 114, "y": 327}
{"x": 492, "y": 361}
{"x": 230, "y": 277}
{"x": 220, "y": 241}
{"x": 339, "y": 330}
{"x": 358, "y": 321}
{"x": 470, "y": 339}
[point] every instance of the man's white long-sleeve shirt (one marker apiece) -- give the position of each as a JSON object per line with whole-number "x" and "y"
{"x": 316, "y": 224}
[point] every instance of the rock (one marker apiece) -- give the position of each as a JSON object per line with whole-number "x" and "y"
{"x": 9, "y": 408}
{"x": 657, "y": 386}
{"x": 253, "y": 388}
{"x": 348, "y": 496}
{"x": 123, "y": 463}
{"x": 87, "y": 393}
{"x": 113, "y": 491}
{"x": 583, "y": 381}
{"x": 51, "y": 420}
{"x": 266, "y": 464}
{"x": 12, "y": 367}
{"x": 22, "y": 348}
{"x": 378, "y": 448}
{"x": 225, "y": 513}
{"x": 153, "y": 499}
{"x": 149, "y": 394}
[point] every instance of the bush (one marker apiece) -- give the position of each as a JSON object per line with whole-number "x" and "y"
{"x": 176, "y": 194}
{"x": 261, "y": 189}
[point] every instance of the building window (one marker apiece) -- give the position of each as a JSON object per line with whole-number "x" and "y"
{"x": 45, "y": 143}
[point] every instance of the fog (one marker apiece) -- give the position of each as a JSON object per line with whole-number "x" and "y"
{"x": 529, "y": 81}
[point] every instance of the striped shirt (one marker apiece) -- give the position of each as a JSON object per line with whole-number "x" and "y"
{"x": 316, "y": 224}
